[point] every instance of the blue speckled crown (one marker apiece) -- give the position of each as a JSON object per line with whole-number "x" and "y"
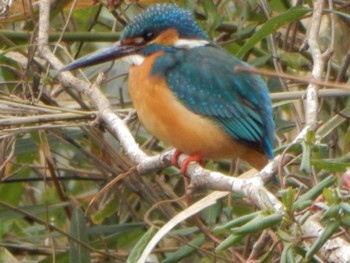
{"x": 163, "y": 16}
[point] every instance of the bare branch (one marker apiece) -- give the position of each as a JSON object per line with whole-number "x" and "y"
{"x": 200, "y": 178}
{"x": 334, "y": 250}
{"x": 253, "y": 187}
{"x": 319, "y": 61}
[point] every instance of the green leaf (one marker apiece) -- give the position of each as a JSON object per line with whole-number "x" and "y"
{"x": 59, "y": 258}
{"x": 345, "y": 221}
{"x": 260, "y": 61}
{"x": 78, "y": 229}
{"x": 334, "y": 122}
{"x": 302, "y": 205}
{"x": 271, "y": 26}
{"x": 210, "y": 9}
{"x": 315, "y": 191}
{"x": 6, "y": 256}
{"x": 228, "y": 242}
{"x": 332, "y": 211}
{"x": 345, "y": 207}
{"x": 136, "y": 252}
{"x": 115, "y": 228}
{"x": 11, "y": 193}
{"x": 211, "y": 214}
{"x": 235, "y": 222}
{"x": 34, "y": 209}
{"x": 185, "y": 231}
{"x": 287, "y": 254}
{"x": 331, "y": 166}
{"x": 305, "y": 165}
{"x": 257, "y": 224}
{"x": 108, "y": 210}
{"x": 185, "y": 250}
{"x": 326, "y": 234}
{"x": 295, "y": 60}
{"x": 288, "y": 198}
{"x": 330, "y": 196}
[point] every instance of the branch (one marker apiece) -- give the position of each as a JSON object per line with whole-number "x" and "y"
{"x": 252, "y": 188}
{"x": 146, "y": 164}
{"x": 319, "y": 61}
{"x": 335, "y": 249}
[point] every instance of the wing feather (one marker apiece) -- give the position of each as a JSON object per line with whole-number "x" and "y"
{"x": 204, "y": 80}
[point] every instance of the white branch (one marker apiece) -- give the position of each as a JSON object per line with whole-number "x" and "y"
{"x": 145, "y": 164}
{"x": 335, "y": 249}
{"x": 253, "y": 187}
{"x": 319, "y": 61}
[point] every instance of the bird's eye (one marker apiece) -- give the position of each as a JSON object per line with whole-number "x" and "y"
{"x": 148, "y": 35}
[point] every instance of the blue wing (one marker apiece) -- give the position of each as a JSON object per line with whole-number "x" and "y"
{"x": 204, "y": 80}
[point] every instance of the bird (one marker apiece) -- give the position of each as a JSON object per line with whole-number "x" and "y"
{"x": 186, "y": 91}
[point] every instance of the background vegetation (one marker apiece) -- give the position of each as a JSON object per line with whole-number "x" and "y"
{"x": 55, "y": 157}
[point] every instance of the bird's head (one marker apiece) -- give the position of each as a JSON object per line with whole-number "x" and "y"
{"x": 160, "y": 27}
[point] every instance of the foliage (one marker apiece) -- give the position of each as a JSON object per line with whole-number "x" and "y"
{"x": 54, "y": 158}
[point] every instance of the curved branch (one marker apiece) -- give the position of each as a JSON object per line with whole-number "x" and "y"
{"x": 253, "y": 187}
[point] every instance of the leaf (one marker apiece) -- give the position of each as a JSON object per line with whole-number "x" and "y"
{"x": 271, "y": 26}
{"x": 6, "y": 256}
{"x": 345, "y": 221}
{"x": 137, "y": 250}
{"x": 211, "y": 214}
{"x": 78, "y": 229}
{"x": 295, "y": 60}
{"x": 314, "y": 192}
{"x": 326, "y": 234}
{"x": 188, "y": 212}
{"x": 214, "y": 19}
{"x": 34, "y": 209}
{"x": 345, "y": 207}
{"x": 305, "y": 165}
{"x": 258, "y": 224}
{"x": 11, "y": 193}
{"x": 108, "y": 210}
{"x": 288, "y": 198}
{"x": 228, "y": 242}
{"x": 115, "y": 229}
{"x": 334, "y": 122}
{"x": 331, "y": 166}
{"x": 235, "y": 222}
{"x": 287, "y": 254}
{"x": 332, "y": 211}
{"x": 185, "y": 250}
{"x": 59, "y": 258}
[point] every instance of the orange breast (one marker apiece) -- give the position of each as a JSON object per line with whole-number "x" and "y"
{"x": 169, "y": 120}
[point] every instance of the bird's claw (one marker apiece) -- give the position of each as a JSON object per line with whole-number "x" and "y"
{"x": 193, "y": 158}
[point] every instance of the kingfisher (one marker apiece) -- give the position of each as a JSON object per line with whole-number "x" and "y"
{"x": 186, "y": 91}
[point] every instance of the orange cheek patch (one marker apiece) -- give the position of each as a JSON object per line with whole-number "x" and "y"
{"x": 166, "y": 38}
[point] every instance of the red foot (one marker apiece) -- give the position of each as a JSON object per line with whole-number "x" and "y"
{"x": 175, "y": 157}
{"x": 192, "y": 158}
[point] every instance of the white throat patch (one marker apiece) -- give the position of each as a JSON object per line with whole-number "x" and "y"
{"x": 135, "y": 60}
{"x": 190, "y": 43}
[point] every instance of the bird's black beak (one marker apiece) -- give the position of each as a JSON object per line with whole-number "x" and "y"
{"x": 116, "y": 51}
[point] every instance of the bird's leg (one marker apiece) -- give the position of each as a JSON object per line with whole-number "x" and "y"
{"x": 193, "y": 158}
{"x": 175, "y": 157}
